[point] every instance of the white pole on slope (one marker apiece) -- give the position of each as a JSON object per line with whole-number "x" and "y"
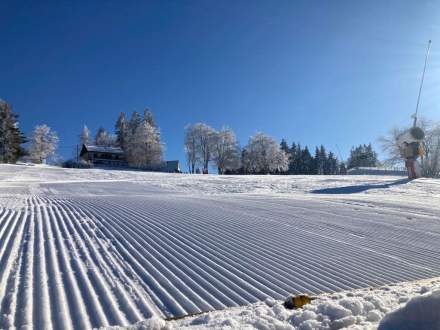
{"x": 421, "y": 83}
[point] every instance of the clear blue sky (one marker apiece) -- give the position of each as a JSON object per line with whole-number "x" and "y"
{"x": 331, "y": 72}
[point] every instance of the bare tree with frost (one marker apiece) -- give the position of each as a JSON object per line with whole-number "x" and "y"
{"x": 225, "y": 150}
{"x": 84, "y": 138}
{"x": 263, "y": 155}
{"x": 199, "y": 140}
{"x": 191, "y": 147}
{"x": 44, "y": 143}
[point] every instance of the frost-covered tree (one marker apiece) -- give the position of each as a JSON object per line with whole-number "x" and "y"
{"x": 44, "y": 143}
{"x": 145, "y": 148}
{"x": 149, "y": 118}
{"x": 135, "y": 122}
{"x": 263, "y": 155}
{"x": 389, "y": 146}
{"x": 10, "y": 136}
{"x": 226, "y": 151}
{"x": 285, "y": 147}
{"x": 101, "y": 137}
{"x": 431, "y": 159}
{"x": 104, "y": 138}
{"x": 203, "y": 136}
{"x": 190, "y": 144}
{"x": 84, "y": 138}
{"x": 121, "y": 131}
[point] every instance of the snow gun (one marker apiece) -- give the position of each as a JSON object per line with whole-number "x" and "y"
{"x": 411, "y": 142}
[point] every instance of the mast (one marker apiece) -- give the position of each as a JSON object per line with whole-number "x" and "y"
{"x": 421, "y": 84}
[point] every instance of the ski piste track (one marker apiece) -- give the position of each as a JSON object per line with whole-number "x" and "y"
{"x": 80, "y": 262}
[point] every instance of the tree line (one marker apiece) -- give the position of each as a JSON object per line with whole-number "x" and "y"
{"x": 139, "y": 138}
{"x": 43, "y": 140}
{"x": 262, "y": 154}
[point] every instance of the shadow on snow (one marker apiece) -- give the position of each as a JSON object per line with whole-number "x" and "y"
{"x": 359, "y": 189}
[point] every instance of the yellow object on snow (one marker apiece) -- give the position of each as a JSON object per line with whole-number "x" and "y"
{"x": 299, "y": 301}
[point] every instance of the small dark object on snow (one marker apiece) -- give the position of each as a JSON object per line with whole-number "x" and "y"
{"x": 293, "y": 302}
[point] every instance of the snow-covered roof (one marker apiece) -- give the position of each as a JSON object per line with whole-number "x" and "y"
{"x": 110, "y": 150}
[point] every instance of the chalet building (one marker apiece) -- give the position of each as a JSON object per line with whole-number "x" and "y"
{"x": 115, "y": 157}
{"x": 104, "y": 156}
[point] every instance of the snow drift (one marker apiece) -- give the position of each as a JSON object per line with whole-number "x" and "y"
{"x": 420, "y": 313}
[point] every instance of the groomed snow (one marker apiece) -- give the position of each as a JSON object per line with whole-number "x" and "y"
{"x": 100, "y": 248}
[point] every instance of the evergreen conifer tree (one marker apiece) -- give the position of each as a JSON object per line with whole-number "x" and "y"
{"x": 307, "y": 161}
{"x": 362, "y": 156}
{"x": 293, "y": 158}
{"x": 11, "y": 137}
{"x": 148, "y": 117}
{"x": 121, "y": 131}
{"x": 135, "y": 122}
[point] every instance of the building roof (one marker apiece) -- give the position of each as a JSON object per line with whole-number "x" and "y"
{"x": 104, "y": 149}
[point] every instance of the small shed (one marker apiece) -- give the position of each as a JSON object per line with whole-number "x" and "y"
{"x": 104, "y": 156}
{"x": 171, "y": 166}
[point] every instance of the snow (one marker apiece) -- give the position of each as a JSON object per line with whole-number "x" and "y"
{"x": 96, "y": 248}
{"x": 420, "y": 313}
{"x": 366, "y": 307}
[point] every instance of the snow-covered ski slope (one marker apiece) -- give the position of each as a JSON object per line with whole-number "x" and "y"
{"x": 90, "y": 248}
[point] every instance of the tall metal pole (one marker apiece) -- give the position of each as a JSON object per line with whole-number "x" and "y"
{"x": 421, "y": 83}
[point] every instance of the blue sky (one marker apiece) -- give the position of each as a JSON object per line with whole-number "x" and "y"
{"x": 332, "y": 72}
